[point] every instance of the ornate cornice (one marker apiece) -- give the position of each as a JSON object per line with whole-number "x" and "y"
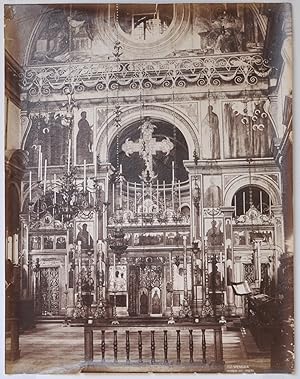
{"x": 180, "y": 72}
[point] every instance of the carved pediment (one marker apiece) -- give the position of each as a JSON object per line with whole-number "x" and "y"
{"x": 253, "y": 217}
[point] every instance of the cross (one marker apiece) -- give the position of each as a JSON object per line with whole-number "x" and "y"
{"x": 147, "y": 146}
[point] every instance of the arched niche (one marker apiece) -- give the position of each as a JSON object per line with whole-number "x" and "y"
{"x": 265, "y": 183}
{"x": 108, "y": 131}
{"x": 133, "y": 164}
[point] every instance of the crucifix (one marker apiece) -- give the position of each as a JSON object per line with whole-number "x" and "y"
{"x": 147, "y": 146}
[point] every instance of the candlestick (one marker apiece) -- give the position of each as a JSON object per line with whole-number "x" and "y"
{"x": 45, "y": 177}
{"x": 30, "y": 180}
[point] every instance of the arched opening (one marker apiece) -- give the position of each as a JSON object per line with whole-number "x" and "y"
{"x": 247, "y": 196}
{"x": 133, "y": 163}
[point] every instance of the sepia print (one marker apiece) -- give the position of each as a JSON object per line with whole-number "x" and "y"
{"x": 148, "y": 174}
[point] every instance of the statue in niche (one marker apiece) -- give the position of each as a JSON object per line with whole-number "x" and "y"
{"x": 212, "y": 196}
{"x": 211, "y": 135}
{"x": 156, "y": 303}
{"x": 84, "y": 140}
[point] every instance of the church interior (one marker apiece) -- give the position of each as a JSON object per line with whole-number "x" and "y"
{"x": 149, "y": 185}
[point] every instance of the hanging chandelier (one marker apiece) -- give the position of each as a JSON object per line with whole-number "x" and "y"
{"x": 67, "y": 196}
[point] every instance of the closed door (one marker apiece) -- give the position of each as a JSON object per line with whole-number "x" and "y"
{"x": 49, "y": 291}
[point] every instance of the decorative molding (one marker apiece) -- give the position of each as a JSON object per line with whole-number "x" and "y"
{"x": 211, "y": 70}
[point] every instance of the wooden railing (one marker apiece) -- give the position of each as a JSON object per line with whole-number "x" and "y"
{"x": 165, "y": 348}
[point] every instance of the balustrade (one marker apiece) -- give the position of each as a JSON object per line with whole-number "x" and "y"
{"x": 168, "y": 348}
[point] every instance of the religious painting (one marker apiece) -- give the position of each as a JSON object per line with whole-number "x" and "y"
{"x": 148, "y": 239}
{"x": 144, "y": 301}
{"x": 48, "y": 242}
{"x": 211, "y": 135}
{"x": 212, "y": 191}
{"x": 35, "y": 243}
{"x": 216, "y": 276}
{"x": 84, "y": 234}
{"x": 248, "y": 130}
{"x": 214, "y": 233}
{"x": 145, "y": 22}
{"x": 118, "y": 278}
{"x": 156, "y": 301}
{"x": 228, "y": 232}
{"x": 84, "y": 132}
{"x": 61, "y": 242}
{"x": 239, "y": 238}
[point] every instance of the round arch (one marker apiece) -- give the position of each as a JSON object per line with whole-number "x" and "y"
{"x": 265, "y": 183}
{"x": 129, "y": 115}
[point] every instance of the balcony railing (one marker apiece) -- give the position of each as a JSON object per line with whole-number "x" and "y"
{"x": 165, "y": 348}
{"x": 172, "y": 72}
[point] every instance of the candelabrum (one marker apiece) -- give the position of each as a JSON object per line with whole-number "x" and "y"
{"x": 207, "y": 308}
{"x": 118, "y": 244}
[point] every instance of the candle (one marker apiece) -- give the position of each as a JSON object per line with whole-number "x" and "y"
{"x": 143, "y": 196}
{"x": 270, "y": 206}
{"x": 244, "y": 202}
{"x": 95, "y": 167}
{"x": 164, "y": 190}
{"x": 15, "y": 249}
{"x": 179, "y": 195}
{"x": 113, "y": 197}
{"x": 84, "y": 175}
{"x": 30, "y": 180}
{"x": 170, "y": 266}
{"x": 234, "y": 205}
{"x": 173, "y": 173}
{"x": 106, "y": 187}
{"x": 121, "y": 192}
{"x": 41, "y": 167}
{"x": 260, "y": 201}
{"x": 54, "y": 188}
{"x": 9, "y": 248}
{"x": 121, "y": 169}
{"x": 39, "y": 162}
{"x": 135, "y": 197}
{"x": 157, "y": 194}
{"x": 45, "y": 177}
{"x": 69, "y": 156}
{"x": 128, "y": 196}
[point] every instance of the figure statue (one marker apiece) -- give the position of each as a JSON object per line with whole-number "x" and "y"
{"x": 84, "y": 140}
{"x": 211, "y": 135}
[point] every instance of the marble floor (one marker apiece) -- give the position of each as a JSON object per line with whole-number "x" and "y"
{"x": 58, "y": 349}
